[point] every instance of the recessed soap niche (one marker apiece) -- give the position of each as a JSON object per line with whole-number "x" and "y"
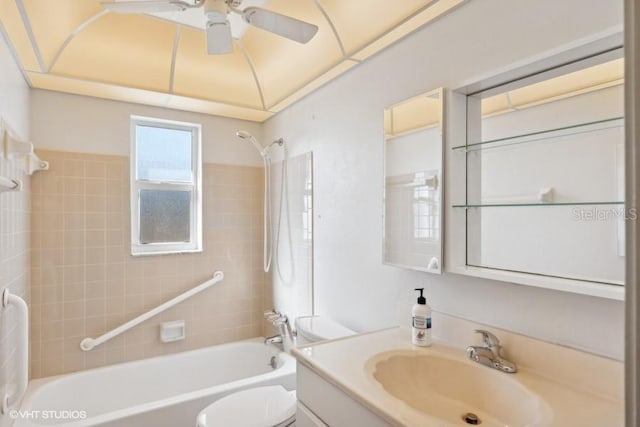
{"x": 173, "y": 331}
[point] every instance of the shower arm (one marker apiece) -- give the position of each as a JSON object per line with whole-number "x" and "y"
{"x": 278, "y": 141}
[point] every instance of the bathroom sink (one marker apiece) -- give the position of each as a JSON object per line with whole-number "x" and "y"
{"x": 443, "y": 386}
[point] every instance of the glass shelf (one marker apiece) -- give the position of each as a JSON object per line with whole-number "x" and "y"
{"x": 507, "y": 205}
{"x": 614, "y": 122}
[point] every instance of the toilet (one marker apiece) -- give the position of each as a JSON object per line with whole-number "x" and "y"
{"x": 269, "y": 406}
{"x": 312, "y": 329}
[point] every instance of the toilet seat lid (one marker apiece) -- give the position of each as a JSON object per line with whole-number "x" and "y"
{"x": 256, "y": 407}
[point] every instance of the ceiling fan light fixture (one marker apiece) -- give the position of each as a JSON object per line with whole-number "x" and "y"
{"x": 216, "y": 7}
{"x": 218, "y": 29}
{"x": 219, "y": 41}
{"x": 216, "y": 18}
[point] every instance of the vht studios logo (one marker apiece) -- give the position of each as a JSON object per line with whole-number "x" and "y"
{"x": 600, "y": 214}
{"x": 48, "y": 415}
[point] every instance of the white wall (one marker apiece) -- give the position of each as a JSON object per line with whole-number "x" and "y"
{"x": 90, "y": 125}
{"x": 343, "y": 124}
{"x": 14, "y": 93}
{"x": 14, "y": 218}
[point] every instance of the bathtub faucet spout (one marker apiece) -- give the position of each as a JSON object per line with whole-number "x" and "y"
{"x": 286, "y": 335}
{"x": 273, "y": 340}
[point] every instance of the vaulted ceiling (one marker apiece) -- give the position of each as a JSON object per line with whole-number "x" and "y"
{"x": 76, "y": 46}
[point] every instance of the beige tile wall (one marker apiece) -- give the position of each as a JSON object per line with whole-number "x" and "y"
{"x": 14, "y": 265}
{"x": 85, "y": 282}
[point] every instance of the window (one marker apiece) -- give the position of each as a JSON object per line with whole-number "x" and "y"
{"x": 166, "y": 204}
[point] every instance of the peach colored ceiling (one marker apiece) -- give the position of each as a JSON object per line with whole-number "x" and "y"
{"x": 424, "y": 111}
{"x": 76, "y": 46}
{"x": 420, "y": 112}
{"x": 590, "y": 79}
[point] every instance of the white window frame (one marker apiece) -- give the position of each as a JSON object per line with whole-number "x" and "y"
{"x": 195, "y": 244}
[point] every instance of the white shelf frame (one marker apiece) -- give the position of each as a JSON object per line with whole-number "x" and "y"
{"x": 455, "y": 170}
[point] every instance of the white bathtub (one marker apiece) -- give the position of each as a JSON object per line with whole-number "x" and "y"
{"x": 165, "y": 391}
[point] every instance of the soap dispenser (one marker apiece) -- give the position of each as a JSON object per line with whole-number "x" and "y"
{"x": 421, "y": 322}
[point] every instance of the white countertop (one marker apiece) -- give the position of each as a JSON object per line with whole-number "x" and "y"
{"x": 346, "y": 363}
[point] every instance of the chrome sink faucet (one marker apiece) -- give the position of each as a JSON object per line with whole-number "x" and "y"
{"x": 489, "y": 353}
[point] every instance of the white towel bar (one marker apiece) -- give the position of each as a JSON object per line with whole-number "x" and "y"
{"x": 15, "y": 148}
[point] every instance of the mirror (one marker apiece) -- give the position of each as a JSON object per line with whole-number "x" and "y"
{"x": 412, "y": 235}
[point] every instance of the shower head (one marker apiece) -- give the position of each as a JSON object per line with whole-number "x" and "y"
{"x": 242, "y": 134}
{"x": 264, "y": 151}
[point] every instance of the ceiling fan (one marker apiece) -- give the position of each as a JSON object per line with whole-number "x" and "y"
{"x": 218, "y": 29}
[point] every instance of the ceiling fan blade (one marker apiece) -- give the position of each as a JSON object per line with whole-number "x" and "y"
{"x": 219, "y": 39}
{"x": 144, "y": 6}
{"x": 282, "y": 25}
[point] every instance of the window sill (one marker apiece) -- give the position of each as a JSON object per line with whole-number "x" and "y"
{"x": 180, "y": 252}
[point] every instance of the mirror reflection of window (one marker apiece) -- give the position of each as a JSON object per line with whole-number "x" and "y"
{"x": 426, "y": 214}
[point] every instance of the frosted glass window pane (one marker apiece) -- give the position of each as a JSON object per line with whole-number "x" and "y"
{"x": 165, "y": 216}
{"x": 164, "y": 154}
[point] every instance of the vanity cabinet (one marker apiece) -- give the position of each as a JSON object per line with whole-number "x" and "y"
{"x": 380, "y": 379}
{"x": 321, "y": 403}
{"x": 306, "y": 418}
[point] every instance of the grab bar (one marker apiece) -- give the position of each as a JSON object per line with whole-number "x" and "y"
{"x": 22, "y": 351}
{"x": 88, "y": 344}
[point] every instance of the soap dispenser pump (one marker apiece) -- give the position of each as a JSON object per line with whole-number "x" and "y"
{"x": 421, "y": 322}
